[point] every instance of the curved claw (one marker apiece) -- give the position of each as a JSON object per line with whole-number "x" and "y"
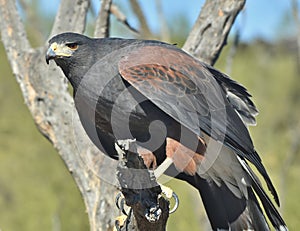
{"x": 119, "y": 195}
{"x": 120, "y": 202}
{"x": 117, "y": 200}
{"x": 122, "y": 207}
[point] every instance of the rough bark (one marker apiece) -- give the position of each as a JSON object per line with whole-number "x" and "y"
{"x": 141, "y": 191}
{"x": 209, "y": 34}
{"x": 45, "y": 90}
{"x": 103, "y": 21}
{"x": 71, "y": 16}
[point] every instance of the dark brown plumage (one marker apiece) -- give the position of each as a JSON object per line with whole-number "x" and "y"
{"x": 123, "y": 87}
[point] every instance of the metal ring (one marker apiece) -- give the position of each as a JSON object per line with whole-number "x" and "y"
{"x": 174, "y": 195}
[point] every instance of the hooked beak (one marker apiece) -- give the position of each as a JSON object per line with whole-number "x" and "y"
{"x": 58, "y": 51}
{"x": 50, "y": 54}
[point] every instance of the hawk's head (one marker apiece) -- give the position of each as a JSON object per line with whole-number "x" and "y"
{"x": 73, "y": 53}
{"x": 67, "y": 47}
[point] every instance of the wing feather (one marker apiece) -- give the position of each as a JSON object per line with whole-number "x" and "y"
{"x": 183, "y": 88}
{"x": 188, "y": 91}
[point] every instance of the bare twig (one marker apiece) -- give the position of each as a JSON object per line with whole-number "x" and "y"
{"x": 103, "y": 22}
{"x": 71, "y": 16}
{"x": 211, "y": 29}
{"x": 144, "y": 30}
{"x": 121, "y": 17}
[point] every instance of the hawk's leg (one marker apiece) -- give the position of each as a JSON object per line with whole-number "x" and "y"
{"x": 184, "y": 158}
{"x": 148, "y": 157}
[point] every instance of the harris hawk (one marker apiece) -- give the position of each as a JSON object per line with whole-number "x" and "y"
{"x": 186, "y": 117}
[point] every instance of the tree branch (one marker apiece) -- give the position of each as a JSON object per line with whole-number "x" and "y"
{"x": 15, "y": 41}
{"x": 103, "y": 22}
{"x": 141, "y": 191}
{"x": 211, "y": 29}
{"x": 71, "y": 16}
{"x": 114, "y": 9}
{"x": 144, "y": 30}
{"x": 13, "y": 35}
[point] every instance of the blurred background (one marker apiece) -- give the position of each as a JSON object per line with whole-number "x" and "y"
{"x": 263, "y": 50}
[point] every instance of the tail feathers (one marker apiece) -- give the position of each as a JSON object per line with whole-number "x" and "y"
{"x": 270, "y": 210}
{"x": 257, "y": 162}
{"x": 227, "y": 212}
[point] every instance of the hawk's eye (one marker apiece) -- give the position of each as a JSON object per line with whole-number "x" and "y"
{"x": 72, "y": 46}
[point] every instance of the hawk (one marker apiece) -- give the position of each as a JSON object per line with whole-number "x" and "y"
{"x": 186, "y": 116}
